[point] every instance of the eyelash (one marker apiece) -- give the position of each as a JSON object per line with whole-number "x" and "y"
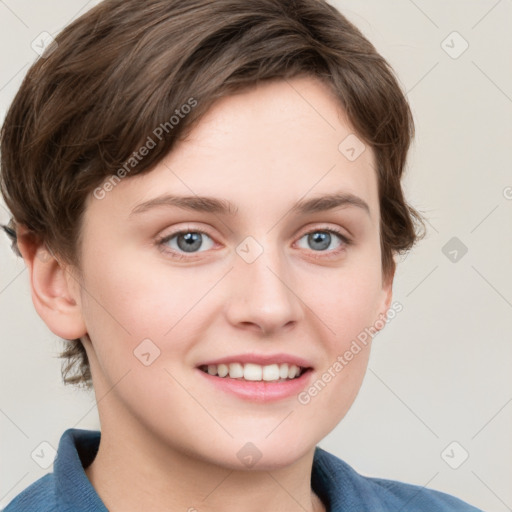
{"x": 161, "y": 241}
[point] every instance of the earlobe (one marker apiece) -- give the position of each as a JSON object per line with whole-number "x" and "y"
{"x": 55, "y": 291}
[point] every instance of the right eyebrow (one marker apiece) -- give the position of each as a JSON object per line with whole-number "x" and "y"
{"x": 195, "y": 203}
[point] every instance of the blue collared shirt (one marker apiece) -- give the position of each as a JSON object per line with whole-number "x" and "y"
{"x": 341, "y": 488}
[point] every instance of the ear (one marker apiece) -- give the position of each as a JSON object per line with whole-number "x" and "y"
{"x": 55, "y": 290}
{"x": 386, "y": 298}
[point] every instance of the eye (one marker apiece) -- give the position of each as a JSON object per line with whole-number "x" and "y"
{"x": 320, "y": 240}
{"x": 185, "y": 241}
{"x": 193, "y": 241}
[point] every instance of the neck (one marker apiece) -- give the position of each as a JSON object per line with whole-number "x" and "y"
{"x": 133, "y": 472}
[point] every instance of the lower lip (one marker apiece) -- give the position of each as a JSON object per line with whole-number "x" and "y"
{"x": 259, "y": 391}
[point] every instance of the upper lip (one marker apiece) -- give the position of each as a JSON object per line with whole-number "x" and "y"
{"x": 261, "y": 359}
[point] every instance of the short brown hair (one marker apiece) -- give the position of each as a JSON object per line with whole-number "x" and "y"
{"x": 124, "y": 67}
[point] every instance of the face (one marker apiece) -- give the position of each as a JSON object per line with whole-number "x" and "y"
{"x": 171, "y": 285}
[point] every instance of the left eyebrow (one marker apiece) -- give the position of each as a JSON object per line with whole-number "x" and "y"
{"x": 329, "y": 202}
{"x": 224, "y": 207}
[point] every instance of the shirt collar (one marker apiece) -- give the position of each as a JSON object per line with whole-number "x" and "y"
{"x": 77, "y": 449}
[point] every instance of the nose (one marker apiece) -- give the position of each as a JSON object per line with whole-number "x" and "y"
{"x": 263, "y": 295}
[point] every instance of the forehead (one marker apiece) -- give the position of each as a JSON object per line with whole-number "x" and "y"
{"x": 277, "y": 120}
{"x": 280, "y": 141}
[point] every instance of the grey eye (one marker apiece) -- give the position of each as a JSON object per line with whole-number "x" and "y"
{"x": 320, "y": 240}
{"x": 188, "y": 241}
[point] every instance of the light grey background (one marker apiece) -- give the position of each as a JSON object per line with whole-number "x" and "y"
{"x": 440, "y": 371}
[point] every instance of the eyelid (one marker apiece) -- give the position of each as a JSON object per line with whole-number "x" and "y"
{"x": 334, "y": 229}
{"x": 185, "y": 229}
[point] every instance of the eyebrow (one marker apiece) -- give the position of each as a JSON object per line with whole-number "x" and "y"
{"x": 224, "y": 207}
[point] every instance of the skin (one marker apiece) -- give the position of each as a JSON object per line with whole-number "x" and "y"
{"x": 169, "y": 439}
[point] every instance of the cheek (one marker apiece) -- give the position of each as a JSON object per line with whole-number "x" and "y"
{"x": 131, "y": 294}
{"x": 346, "y": 312}
{"x": 129, "y": 300}
{"x": 347, "y": 301}
{"x": 122, "y": 306}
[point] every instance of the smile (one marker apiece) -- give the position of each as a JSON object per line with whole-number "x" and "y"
{"x": 255, "y": 372}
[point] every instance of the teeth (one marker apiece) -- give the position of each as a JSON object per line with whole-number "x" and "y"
{"x": 236, "y": 370}
{"x": 254, "y": 372}
{"x": 270, "y": 372}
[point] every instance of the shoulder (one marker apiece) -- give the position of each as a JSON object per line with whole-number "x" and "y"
{"x": 67, "y": 488}
{"x": 418, "y": 498}
{"x": 40, "y": 496}
{"x": 343, "y": 487}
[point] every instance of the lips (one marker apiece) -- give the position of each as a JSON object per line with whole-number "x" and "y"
{"x": 258, "y": 391}
{"x": 261, "y": 359}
